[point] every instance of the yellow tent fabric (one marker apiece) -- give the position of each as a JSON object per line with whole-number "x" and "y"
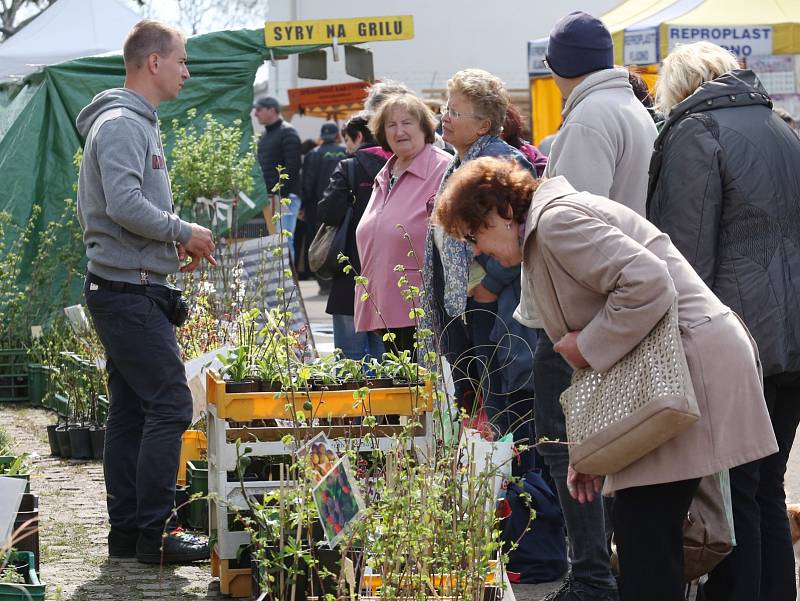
{"x": 782, "y": 15}
{"x": 545, "y": 108}
{"x": 633, "y": 11}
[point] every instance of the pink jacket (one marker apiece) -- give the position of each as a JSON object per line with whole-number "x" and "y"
{"x": 381, "y": 244}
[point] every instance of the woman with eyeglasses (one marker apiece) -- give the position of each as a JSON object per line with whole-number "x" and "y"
{"x": 471, "y": 299}
{"x": 599, "y": 277}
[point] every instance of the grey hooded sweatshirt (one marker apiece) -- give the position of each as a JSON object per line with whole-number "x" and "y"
{"x": 124, "y": 196}
{"x": 606, "y": 140}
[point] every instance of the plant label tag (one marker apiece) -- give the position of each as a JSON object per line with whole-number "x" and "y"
{"x": 338, "y": 501}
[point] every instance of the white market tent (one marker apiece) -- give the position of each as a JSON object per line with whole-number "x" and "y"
{"x": 68, "y": 29}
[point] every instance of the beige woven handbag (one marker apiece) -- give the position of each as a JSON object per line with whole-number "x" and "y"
{"x": 618, "y": 416}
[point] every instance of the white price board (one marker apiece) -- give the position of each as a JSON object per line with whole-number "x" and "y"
{"x": 641, "y": 46}
{"x": 536, "y": 53}
{"x": 777, "y": 73}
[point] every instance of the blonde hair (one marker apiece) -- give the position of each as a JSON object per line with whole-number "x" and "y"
{"x": 415, "y": 107}
{"x": 486, "y": 93}
{"x": 149, "y": 37}
{"x": 686, "y": 68}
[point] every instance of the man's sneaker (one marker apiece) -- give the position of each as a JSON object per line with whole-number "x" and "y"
{"x": 176, "y": 547}
{"x": 572, "y": 590}
{"x": 122, "y": 543}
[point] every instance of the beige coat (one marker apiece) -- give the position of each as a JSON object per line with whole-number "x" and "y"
{"x": 593, "y": 265}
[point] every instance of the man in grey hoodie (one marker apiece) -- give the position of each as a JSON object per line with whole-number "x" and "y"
{"x": 134, "y": 240}
{"x": 603, "y": 147}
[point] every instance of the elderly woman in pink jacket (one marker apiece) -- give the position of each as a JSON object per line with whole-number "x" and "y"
{"x": 396, "y": 218}
{"x": 600, "y": 277}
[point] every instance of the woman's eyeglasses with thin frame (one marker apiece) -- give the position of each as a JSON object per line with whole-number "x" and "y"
{"x": 454, "y": 114}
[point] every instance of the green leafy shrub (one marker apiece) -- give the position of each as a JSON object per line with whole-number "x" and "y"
{"x": 209, "y": 162}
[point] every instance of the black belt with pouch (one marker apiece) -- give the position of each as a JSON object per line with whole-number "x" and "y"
{"x": 169, "y": 300}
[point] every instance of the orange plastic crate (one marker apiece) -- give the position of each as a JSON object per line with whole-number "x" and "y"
{"x": 246, "y": 406}
{"x": 193, "y": 445}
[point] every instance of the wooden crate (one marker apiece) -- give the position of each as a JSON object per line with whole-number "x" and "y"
{"x": 234, "y": 582}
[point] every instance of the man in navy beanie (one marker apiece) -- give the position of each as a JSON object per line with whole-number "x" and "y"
{"x": 603, "y": 147}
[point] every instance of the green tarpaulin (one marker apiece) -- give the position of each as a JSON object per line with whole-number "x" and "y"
{"x": 38, "y": 138}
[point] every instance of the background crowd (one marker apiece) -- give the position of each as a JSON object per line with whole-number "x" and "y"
{"x": 533, "y": 264}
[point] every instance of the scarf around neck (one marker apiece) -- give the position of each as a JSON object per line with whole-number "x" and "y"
{"x": 456, "y": 256}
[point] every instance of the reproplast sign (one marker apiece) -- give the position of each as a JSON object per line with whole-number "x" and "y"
{"x": 742, "y": 41}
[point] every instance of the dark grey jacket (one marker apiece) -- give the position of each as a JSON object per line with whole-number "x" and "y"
{"x": 725, "y": 185}
{"x": 317, "y": 170}
{"x": 280, "y": 145}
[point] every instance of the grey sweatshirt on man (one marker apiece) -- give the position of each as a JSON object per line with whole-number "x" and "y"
{"x": 124, "y": 197}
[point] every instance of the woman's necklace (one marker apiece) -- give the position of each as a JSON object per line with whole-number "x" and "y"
{"x": 395, "y": 174}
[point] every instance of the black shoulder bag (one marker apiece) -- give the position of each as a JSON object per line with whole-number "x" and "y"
{"x": 323, "y": 254}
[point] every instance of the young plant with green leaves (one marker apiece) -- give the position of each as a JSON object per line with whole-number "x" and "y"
{"x": 209, "y": 160}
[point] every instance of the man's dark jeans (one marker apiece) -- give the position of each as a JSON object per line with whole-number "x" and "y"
{"x": 151, "y": 406}
{"x": 585, "y": 522}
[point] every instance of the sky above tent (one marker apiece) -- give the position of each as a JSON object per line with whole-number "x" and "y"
{"x": 66, "y": 30}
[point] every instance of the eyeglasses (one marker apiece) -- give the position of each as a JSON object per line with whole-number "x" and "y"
{"x": 470, "y": 238}
{"x": 545, "y": 63}
{"x": 454, "y": 114}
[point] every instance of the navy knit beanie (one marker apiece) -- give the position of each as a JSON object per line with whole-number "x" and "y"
{"x": 579, "y": 44}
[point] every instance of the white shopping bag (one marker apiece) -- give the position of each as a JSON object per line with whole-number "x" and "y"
{"x": 196, "y": 378}
{"x": 487, "y": 457}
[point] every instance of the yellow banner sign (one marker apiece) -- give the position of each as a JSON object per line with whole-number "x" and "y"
{"x": 346, "y": 31}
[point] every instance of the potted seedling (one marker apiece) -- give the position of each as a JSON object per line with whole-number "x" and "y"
{"x": 236, "y": 370}
{"x": 351, "y": 373}
{"x": 269, "y": 375}
{"x": 16, "y": 466}
{"x": 323, "y": 374}
{"x": 239, "y": 363}
{"x": 400, "y": 368}
{"x": 64, "y": 391}
{"x": 18, "y": 578}
{"x": 376, "y": 374}
{"x": 97, "y": 407}
{"x": 80, "y": 441}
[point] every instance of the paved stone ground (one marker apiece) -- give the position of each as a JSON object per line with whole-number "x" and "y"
{"x": 73, "y": 528}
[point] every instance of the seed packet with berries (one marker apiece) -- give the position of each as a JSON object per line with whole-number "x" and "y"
{"x": 339, "y": 501}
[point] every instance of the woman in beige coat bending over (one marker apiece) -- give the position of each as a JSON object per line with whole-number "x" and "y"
{"x": 599, "y": 277}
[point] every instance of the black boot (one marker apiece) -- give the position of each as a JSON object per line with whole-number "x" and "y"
{"x": 175, "y": 547}
{"x": 122, "y": 543}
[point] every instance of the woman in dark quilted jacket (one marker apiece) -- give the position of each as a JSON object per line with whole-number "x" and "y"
{"x": 725, "y": 185}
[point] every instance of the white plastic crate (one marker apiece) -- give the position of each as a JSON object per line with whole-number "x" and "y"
{"x": 227, "y": 498}
{"x": 228, "y": 543}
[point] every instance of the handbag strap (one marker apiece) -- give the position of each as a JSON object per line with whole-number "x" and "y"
{"x": 351, "y": 178}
